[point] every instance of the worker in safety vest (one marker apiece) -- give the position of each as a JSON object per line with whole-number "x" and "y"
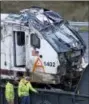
{"x": 23, "y": 90}
{"x": 9, "y": 92}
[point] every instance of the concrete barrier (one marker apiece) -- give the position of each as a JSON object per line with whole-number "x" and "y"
{"x": 49, "y": 97}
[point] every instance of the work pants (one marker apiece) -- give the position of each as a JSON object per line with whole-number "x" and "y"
{"x": 25, "y": 100}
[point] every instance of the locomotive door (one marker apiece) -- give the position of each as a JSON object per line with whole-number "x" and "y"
{"x": 19, "y": 48}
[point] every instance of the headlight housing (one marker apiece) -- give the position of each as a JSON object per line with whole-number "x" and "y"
{"x": 62, "y": 58}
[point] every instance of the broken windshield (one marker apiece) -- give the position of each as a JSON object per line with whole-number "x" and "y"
{"x": 61, "y": 37}
{"x": 50, "y": 34}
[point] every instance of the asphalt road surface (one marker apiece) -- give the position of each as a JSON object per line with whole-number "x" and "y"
{"x": 85, "y": 36}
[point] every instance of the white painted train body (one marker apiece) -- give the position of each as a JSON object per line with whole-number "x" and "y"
{"x": 41, "y": 42}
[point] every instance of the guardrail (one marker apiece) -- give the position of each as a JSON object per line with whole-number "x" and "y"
{"x": 80, "y": 26}
{"x": 79, "y": 23}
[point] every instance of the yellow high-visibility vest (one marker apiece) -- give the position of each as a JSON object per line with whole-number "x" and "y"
{"x": 24, "y": 87}
{"x": 9, "y": 91}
